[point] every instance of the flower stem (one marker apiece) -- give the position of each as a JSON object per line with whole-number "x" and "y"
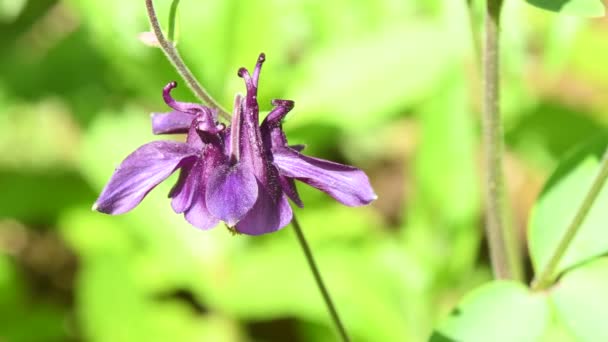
{"x": 546, "y": 276}
{"x": 503, "y": 244}
{"x": 172, "y": 16}
{"x": 175, "y": 59}
{"x": 315, "y": 271}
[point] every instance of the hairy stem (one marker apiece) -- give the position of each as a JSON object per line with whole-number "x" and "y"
{"x": 175, "y": 59}
{"x": 315, "y": 271}
{"x": 503, "y": 244}
{"x": 547, "y": 275}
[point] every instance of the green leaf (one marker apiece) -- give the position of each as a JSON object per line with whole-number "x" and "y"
{"x": 447, "y": 203}
{"x": 498, "y": 311}
{"x": 21, "y": 318}
{"x": 448, "y": 136}
{"x": 134, "y": 284}
{"x": 334, "y": 85}
{"x": 583, "y": 8}
{"x": 581, "y": 301}
{"x": 270, "y": 278}
{"x": 559, "y": 202}
{"x": 11, "y": 9}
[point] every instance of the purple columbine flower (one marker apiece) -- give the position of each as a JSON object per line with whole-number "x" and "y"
{"x": 241, "y": 175}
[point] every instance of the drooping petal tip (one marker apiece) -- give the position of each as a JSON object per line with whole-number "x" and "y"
{"x": 347, "y": 184}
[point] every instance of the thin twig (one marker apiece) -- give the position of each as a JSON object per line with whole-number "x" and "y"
{"x": 173, "y": 56}
{"x": 172, "y": 17}
{"x": 546, "y": 276}
{"x": 503, "y": 244}
{"x": 315, "y": 271}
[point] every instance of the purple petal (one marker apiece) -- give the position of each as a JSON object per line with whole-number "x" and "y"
{"x": 270, "y": 213}
{"x": 171, "y": 123}
{"x": 198, "y": 214}
{"x": 139, "y": 173}
{"x": 231, "y": 193}
{"x": 183, "y": 191}
{"x": 346, "y": 184}
{"x": 285, "y": 212}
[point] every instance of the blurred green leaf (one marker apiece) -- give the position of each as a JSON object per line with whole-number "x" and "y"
{"x": 581, "y": 301}
{"x": 119, "y": 275}
{"x": 10, "y": 9}
{"x": 583, "y": 8}
{"x": 516, "y": 94}
{"x": 559, "y": 202}
{"x": 46, "y": 194}
{"x": 447, "y": 198}
{"x": 116, "y": 40}
{"x": 333, "y": 85}
{"x": 557, "y": 332}
{"x": 270, "y": 278}
{"x": 539, "y": 134}
{"x": 591, "y": 48}
{"x": 560, "y": 40}
{"x": 448, "y": 139}
{"x": 44, "y": 133}
{"x": 21, "y": 319}
{"x": 498, "y": 311}
{"x": 11, "y": 287}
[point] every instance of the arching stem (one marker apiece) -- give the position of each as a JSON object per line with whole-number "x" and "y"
{"x": 173, "y": 56}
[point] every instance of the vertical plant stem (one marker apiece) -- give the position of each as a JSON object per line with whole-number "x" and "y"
{"x": 315, "y": 271}
{"x": 503, "y": 244}
{"x": 173, "y": 56}
{"x": 546, "y": 276}
{"x": 172, "y": 17}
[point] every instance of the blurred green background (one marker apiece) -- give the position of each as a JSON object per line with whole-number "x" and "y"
{"x": 391, "y": 86}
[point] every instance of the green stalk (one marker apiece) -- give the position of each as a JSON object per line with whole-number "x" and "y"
{"x": 173, "y": 56}
{"x": 172, "y": 17}
{"x": 546, "y": 277}
{"x": 319, "y": 280}
{"x": 503, "y": 244}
